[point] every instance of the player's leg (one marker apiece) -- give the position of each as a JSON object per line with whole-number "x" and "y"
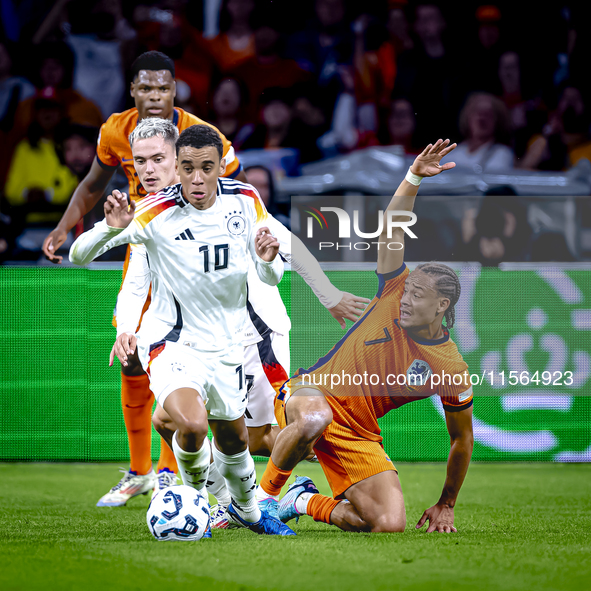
{"x": 307, "y": 414}
{"x": 375, "y": 504}
{"x": 358, "y": 470}
{"x": 136, "y": 401}
{"x": 190, "y": 444}
{"x": 226, "y": 393}
{"x": 266, "y": 366}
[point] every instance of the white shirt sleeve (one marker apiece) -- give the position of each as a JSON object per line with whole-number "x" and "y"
{"x": 95, "y": 242}
{"x": 134, "y": 291}
{"x": 269, "y": 273}
{"x": 303, "y": 262}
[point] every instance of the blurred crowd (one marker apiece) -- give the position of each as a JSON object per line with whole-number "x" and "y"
{"x": 316, "y": 78}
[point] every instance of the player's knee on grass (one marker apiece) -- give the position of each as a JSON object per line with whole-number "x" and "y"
{"x": 389, "y": 522}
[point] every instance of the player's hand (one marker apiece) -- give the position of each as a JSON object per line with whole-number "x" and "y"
{"x": 52, "y": 243}
{"x": 427, "y": 162}
{"x": 350, "y": 307}
{"x": 118, "y": 210}
{"x": 266, "y": 245}
{"x": 124, "y": 345}
{"x": 441, "y": 519}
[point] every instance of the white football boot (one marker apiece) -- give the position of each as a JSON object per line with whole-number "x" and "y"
{"x": 131, "y": 485}
{"x": 164, "y": 479}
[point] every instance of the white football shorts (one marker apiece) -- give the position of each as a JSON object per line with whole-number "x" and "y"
{"x": 267, "y": 368}
{"x": 219, "y": 377}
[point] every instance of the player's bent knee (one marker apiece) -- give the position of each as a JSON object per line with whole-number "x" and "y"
{"x": 312, "y": 425}
{"x": 196, "y": 429}
{"x": 389, "y": 523}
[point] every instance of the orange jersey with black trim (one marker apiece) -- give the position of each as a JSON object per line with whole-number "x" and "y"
{"x": 377, "y": 366}
{"x": 113, "y": 146}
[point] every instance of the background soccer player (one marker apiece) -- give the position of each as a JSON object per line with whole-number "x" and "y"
{"x": 190, "y": 341}
{"x": 402, "y": 334}
{"x": 153, "y": 90}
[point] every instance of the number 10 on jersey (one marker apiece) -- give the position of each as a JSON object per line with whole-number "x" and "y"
{"x": 221, "y": 255}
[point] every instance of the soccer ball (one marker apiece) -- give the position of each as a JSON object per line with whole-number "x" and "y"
{"x": 178, "y": 513}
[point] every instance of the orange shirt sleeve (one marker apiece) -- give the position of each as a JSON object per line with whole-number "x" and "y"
{"x": 105, "y": 154}
{"x": 455, "y": 389}
{"x": 392, "y": 284}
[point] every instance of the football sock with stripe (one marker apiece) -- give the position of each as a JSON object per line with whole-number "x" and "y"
{"x": 193, "y": 465}
{"x": 317, "y": 506}
{"x": 239, "y": 473}
{"x": 167, "y": 461}
{"x": 273, "y": 479}
{"x": 137, "y": 400}
{"x": 216, "y": 485}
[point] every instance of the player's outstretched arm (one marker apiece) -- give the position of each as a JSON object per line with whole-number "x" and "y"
{"x": 114, "y": 230}
{"x": 341, "y": 305}
{"x": 85, "y": 197}
{"x": 441, "y": 515}
{"x": 391, "y": 249}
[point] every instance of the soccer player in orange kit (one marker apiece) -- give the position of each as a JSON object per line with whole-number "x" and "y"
{"x": 400, "y": 334}
{"x": 153, "y": 89}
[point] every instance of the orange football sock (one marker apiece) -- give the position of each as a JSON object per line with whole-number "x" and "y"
{"x": 167, "y": 460}
{"x": 137, "y": 400}
{"x": 320, "y": 507}
{"x": 274, "y": 478}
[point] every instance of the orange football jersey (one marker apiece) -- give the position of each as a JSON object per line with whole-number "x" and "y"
{"x": 377, "y": 366}
{"x": 113, "y": 145}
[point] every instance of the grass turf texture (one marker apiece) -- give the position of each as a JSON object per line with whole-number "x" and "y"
{"x": 520, "y": 526}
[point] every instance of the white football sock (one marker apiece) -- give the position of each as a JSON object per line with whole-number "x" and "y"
{"x": 193, "y": 465}
{"x": 301, "y": 503}
{"x": 261, "y": 495}
{"x": 216, "y": 485}
{"x": 240, "y": 475}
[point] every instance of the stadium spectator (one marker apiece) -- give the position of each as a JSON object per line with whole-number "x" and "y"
{"x": 262, "y": 179}
{"x": 375, "y": 58}
{"x": 426, "y": 74}
{"x": 565, "y": 139}
{"x": 54, "y": 76}
{"x": 484, "y": 124}
{"x": 498, "y": 231}
{"x": 235, "y": 44}
{"x": 399, "y": 129}
{"x": 78, "y": 144}
{"x": 101, "y": 41}
{"x": 228, "y": 107}
{"x": 526, "y": 109}
{"x": 13, "y": 89}
{"x": 267, "y": 69}
{"x": 278, "y": 130}
{"x": 325, "y": 44}
{"x": 38, "y": 185}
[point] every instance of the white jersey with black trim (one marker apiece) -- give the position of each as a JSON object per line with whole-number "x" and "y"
{"x": 265, "y": 307}
{"x": 198, "y": 263}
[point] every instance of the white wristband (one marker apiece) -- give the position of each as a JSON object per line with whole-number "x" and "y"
{"x": 413, "y": 179}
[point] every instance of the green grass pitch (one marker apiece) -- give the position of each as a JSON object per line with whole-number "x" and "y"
{"x": 520, "y": 526}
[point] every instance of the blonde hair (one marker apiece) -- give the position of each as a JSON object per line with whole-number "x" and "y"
{"x": 152, "y": 127}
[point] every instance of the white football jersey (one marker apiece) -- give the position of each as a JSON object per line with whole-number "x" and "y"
{"x": 198, "y": 262}
{"x": 266, "y": 310}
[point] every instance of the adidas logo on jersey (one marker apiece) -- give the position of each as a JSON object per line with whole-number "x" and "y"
{"x": 186, "y": 235}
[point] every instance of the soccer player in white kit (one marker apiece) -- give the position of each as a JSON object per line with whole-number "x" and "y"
{"x": 266, "y": 336}
{"x": 198, "y": 241}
